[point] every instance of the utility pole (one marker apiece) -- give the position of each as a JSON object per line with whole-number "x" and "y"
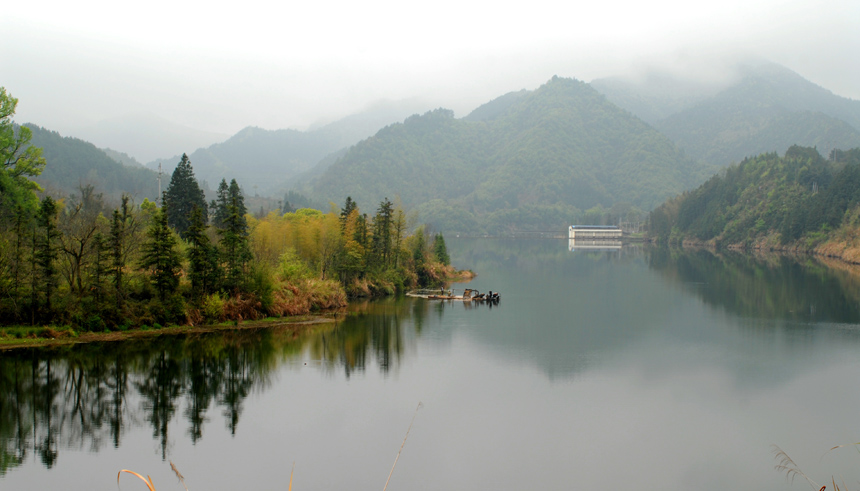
{"x": 158, "y": 199}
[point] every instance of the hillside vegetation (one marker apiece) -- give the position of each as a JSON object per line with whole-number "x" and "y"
{"x": 524, "y": 161}
{"x": 799, "y": 201}
{"x": 73, "y": 164}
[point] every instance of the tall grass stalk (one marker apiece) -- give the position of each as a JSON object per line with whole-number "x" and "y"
{"x": 179, "y": 475}
{"x": 148, "y": 483}
{"x": 791, "y": 469}
{"x": 401, "y": 447}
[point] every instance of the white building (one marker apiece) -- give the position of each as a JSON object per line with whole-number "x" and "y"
{"x": 593, "y": 232}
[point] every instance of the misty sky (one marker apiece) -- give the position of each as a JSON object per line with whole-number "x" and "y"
{"x": 220, "y": 67}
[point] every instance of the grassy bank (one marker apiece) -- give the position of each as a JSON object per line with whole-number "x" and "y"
{"x": 12, "y": 337}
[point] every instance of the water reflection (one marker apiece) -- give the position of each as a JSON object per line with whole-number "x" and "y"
{"x": 768, "y": 286}
{"x": 373, "y": 329}
{"x": 563, "y": 311}
{"x": 594, "y": 244}
{"x": 91, "y": 395}
{"x": 88, "y": 396}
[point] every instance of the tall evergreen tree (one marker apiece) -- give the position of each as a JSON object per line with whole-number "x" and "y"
{"x": 382, "y": 233}
{"x": 117, "y": 246}
{"x": 348, "y": 206}
{"x": 235, "y": 249}
{"x": 182, "y": 195}
{"x": 47, "y": 250}
{"x": 202, "y": 257}
{"x": 440, "y": 250}
{"x": 237, "y": 198}
{"x": 160, "y": 257}
{"x": 219, "y": 205}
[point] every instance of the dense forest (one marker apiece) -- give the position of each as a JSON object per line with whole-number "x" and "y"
{"x": 92, "y": 264}
{"x": 74, "y": 163}
{"x": 798, "y": 200}
{"x": 526, "y": 161}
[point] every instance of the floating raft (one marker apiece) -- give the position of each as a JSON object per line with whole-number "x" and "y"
{"x": 469, "y": 295}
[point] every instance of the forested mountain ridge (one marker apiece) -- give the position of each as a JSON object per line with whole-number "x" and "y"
{"x": 269, "y": 159}
{"x": 72, "y": 163}
{"x": 525, "y": 160}
{"x": 797, "y": 200}
{"x": 768, "y": 108}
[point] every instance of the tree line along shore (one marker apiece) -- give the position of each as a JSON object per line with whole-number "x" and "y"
{"x": 79, "y": 263}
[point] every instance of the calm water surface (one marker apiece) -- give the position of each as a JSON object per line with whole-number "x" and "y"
{"x": 632, "y": 369}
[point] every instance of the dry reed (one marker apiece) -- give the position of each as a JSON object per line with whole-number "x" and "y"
{"x": 179, "y": 475}
{"x": 148, "y": 483}
{"x": 791, "y": 469}
{"x": 401, "y": 447}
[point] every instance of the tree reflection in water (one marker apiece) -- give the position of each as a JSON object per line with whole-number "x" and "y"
{"x": 790, "y": 288}
{"x": 86, "y": 396}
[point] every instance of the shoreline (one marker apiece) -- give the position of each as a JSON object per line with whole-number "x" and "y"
{"x": 830, "y": 251}
{"x": 297, "y": 324}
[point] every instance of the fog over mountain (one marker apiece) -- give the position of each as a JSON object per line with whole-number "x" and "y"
{"x": 218, "y": 69}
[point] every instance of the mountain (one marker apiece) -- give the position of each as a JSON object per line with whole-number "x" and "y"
{"x": 267, "y": 160}
{"x": 145, "y": 136}
{"x": 72, "y": 163}
{"x": 122, "y": 157}
{"x": 766, "y": 108}
{"x": 655, "y": 96}
{"x": 497, "y": 107}
{"x": 523, "y": 161}
{"x": 768, "y": 200}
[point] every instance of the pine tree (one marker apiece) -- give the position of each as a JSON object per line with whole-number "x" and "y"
{"x": 440, "y": 250}
{"x": 234, "y": 240}
{"x": 202, "y": 257}
{"x": 116, "y": 245}
{"x": 182, "y": 195}
{"x": 219, "y": 205}
{"x": 46, "y": 250}
{"x": 382, "y": 233}
{"x": 160, "y": 257}
{"x": 348, "y": 207}
{"x": 237, "y": 198}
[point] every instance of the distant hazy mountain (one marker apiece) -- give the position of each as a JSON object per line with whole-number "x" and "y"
{"x": 122, "y": 157}
{"x": 264, "y": 161}
{"x": 524, "y": 160}
{"x": 655, "y": 96}
{"x": 72, "y": 163}
{"x": 768, "y": 108}
{"x": 497, "y": 107}
{"x": 146, "y": 136}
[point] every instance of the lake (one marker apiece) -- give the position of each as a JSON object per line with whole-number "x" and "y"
{"x": 632, "y": 368}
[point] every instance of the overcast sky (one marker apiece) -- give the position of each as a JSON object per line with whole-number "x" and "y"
{"x": 221, "y": 67}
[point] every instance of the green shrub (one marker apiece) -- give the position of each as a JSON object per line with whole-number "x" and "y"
{"x": 94, "y": 323}
{"x": 291, "y": 266}
{"x": 262, "y": 285}
{"x": 213, "y": 308}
